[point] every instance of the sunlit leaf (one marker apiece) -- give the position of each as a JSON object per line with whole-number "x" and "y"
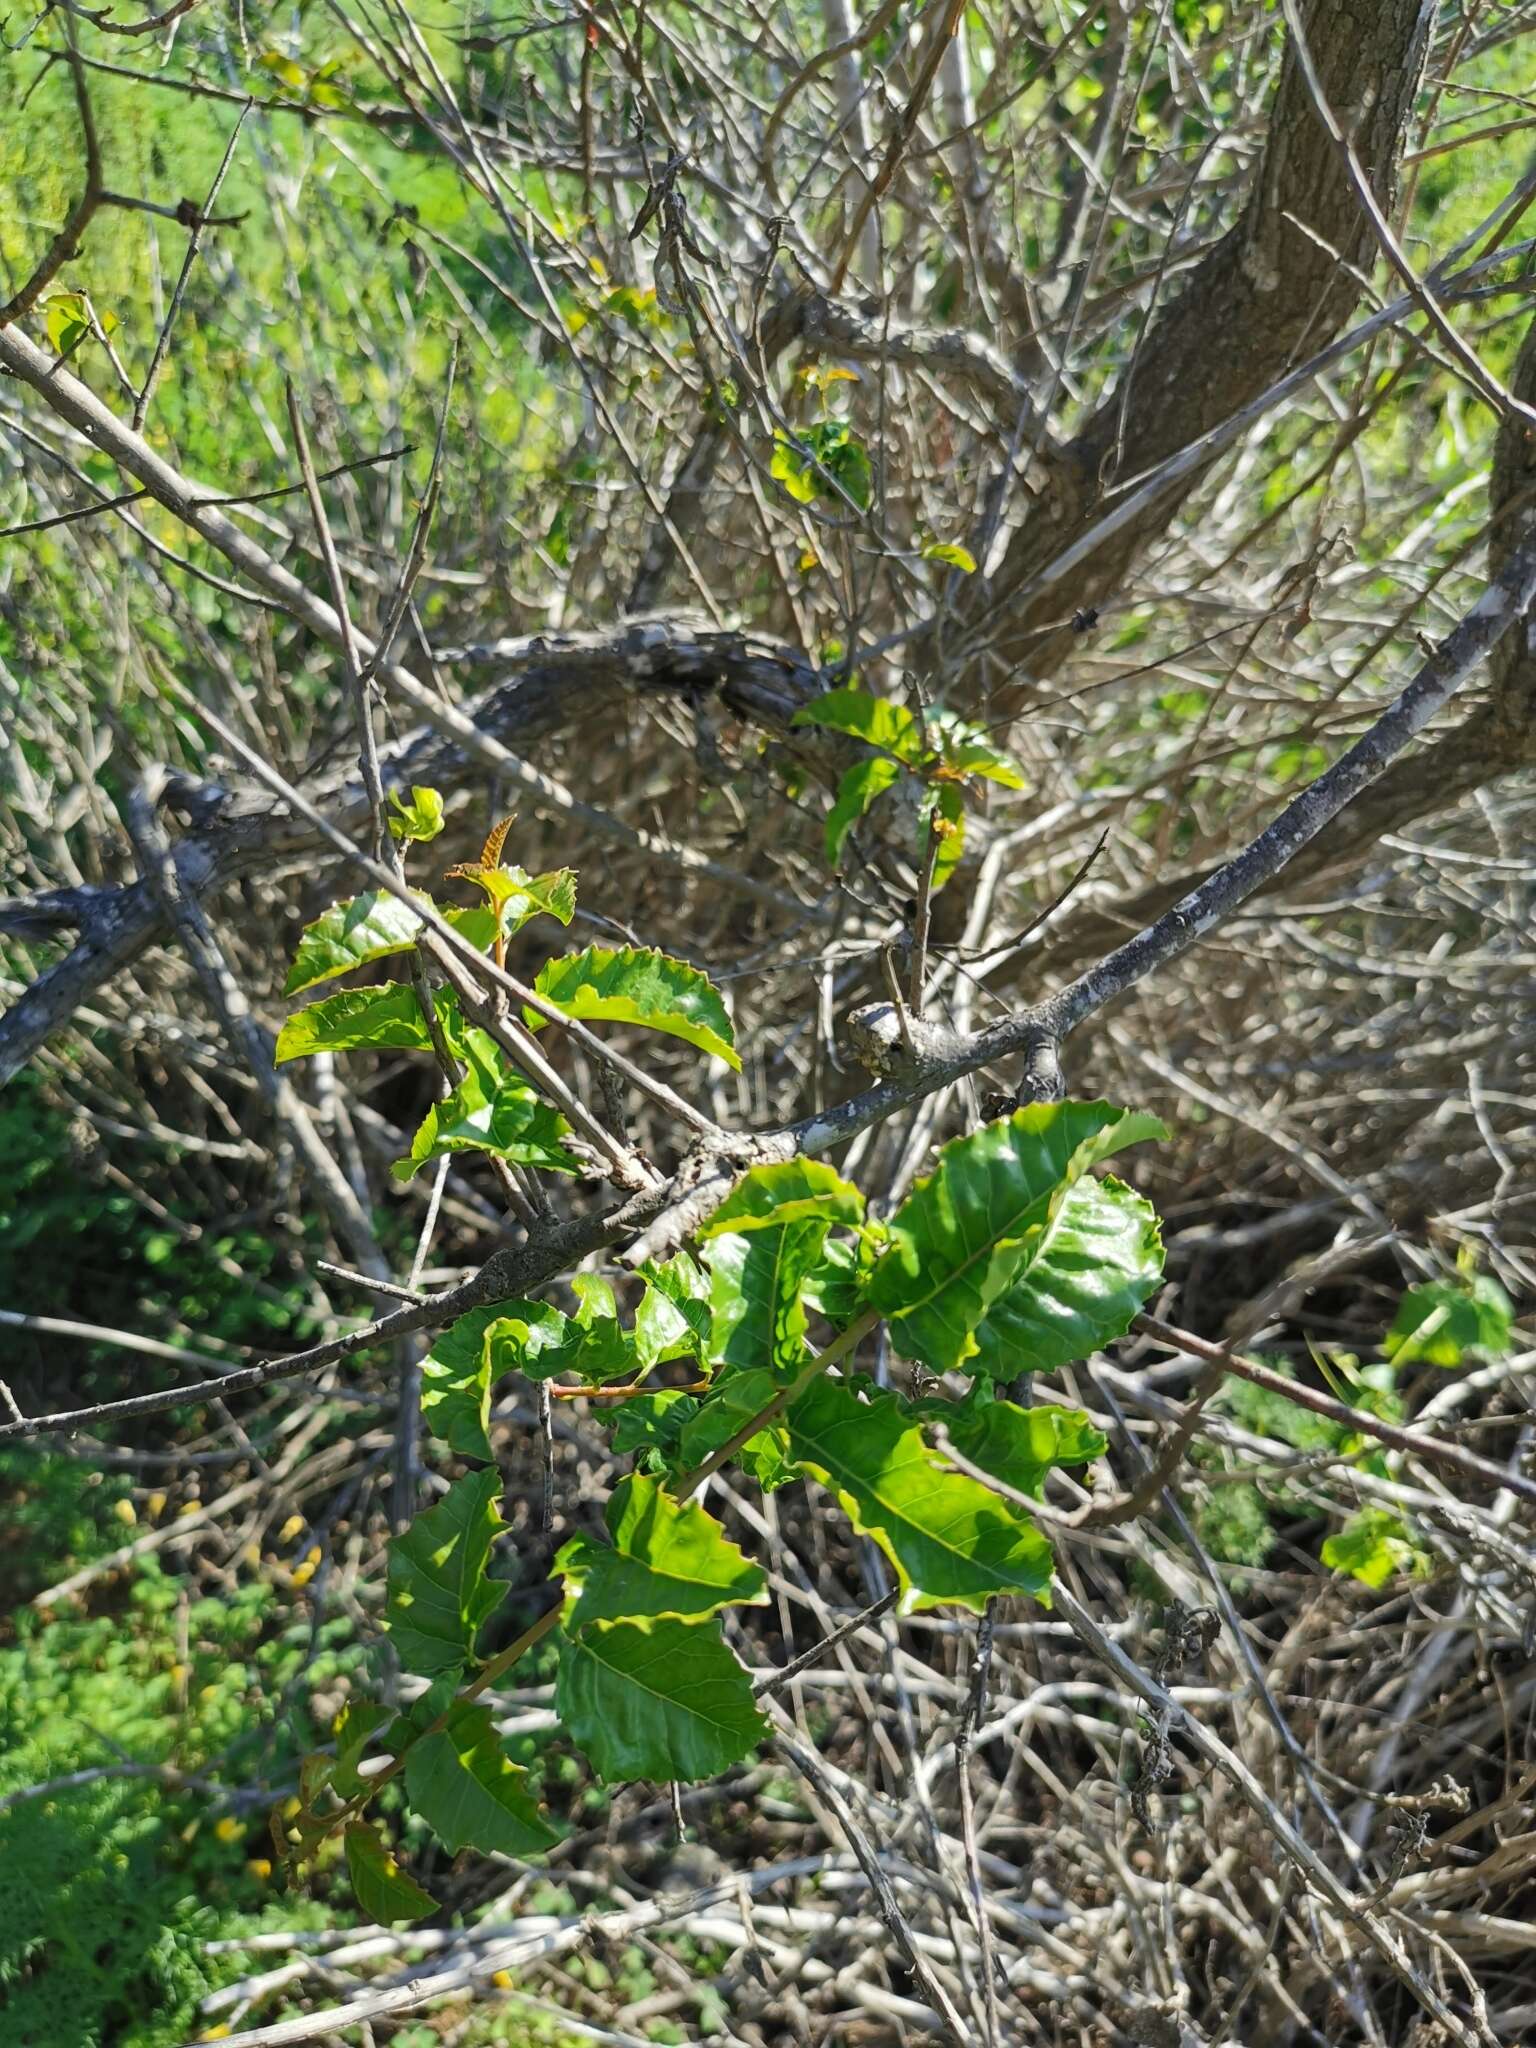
{"x": 952, "y": 555}
{"x": 371, "y": 1019}
{"x": 863, "y": 783}
{"x": 421, "y": 818}
{"x": 636, "y": 985}
{"x": 1442, "y": 1322}
{"x": 1098, "y": 1259}
{"x": 970, "y": 1229}
{"x": 1373, "y": 1546}
{"x": 663, "y": 1559}
{"x": 949, "y": 1537}
{"x": 1020, "y": 1446}
{"x": 673, "y": 1317}
{"x": 789, "y": 1191}
{"x": 757, "y": 1284}
{"x": 878, "y": 721}
{"x": 493, "y": 1109}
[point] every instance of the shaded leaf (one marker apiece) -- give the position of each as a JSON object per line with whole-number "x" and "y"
{"x": 355, "y": 1727}
{"x": 667, "y": 1702}
{"x": 651, "y": 1427}
{"x": 949, "y": 1537}
{"x": 1020, "y": 1446}
{"x": 384, "y": 1892}
{"x": 439, "y": 1595}
{"x": 456, "y": 1384}
{"x": 715, "y": 1420}
{"x": 756, "y": 1288}
{"x": 470, "y": 1794}
{"x": 636, "y": 985}
{"x": 673, "y": 1318}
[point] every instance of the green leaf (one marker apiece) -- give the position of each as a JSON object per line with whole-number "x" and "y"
{"x": 636, "y": 985}
{"x": 788, "y": 1192}
{"x": 349, "y": 935}
{"x": 1098, "y": 1259}
{"x": 943, "y": 817}
{"x": 439, "y": 1595}
{"x": 1439, "y": 1322}
{"x": 965, "y": 749}
{"x": 1374, "y": 1546}
{"x": 792, "y": 469}
{"x": 949, "y": 1537}
{"x": 386, "y": 1018}
{"x": 836, "y": 1284}
{"x": 756, "y": 1285}
{"x": 355, "y": 1727}
{"x": 951, "y": 553}
{"x": 668, "y": 1702}
{"x": 1020, "y": 1446}
{"x": 878, "y": 721}
{"x": 421, "y": 818}
{"x": 470, "y": 1794}
{"x": 858, "y": 789}
{"x": 67, "y": 318}
{"x": 456, "y": 1384}
{"x": 384, "y": 1892}
{"x": 493, "y": 1109}
{"x": 651, "y": 1426}
{"x": 373, "y": 926}
{"x": 715, "y": 1420}
{"x": 972, "y": 1227}
{"x": 665, "y": 1559}
{"x": 673, "y": 1318}
{"x": 535, "y": 1339}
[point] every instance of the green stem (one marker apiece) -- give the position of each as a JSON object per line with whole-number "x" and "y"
{"x": 855, "y": 1333}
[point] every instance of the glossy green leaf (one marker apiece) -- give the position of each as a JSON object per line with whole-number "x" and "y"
{"x": 1442, "y": 1322}
{"x": 666, "y": 1702}
{"x": 439, "y": 1595}
{"x": 788, "y": 1192}
{"x": 456, "y": 1384}
{"x": 637, "y": 985}
{"x": 386, "y": 1018}
{"x": 493, "y": 1109}
{"x": 835, "y": 1286}
{"x": 664, "y": 1559}
{"x": 949, "y": 1537}
{"x": 673, "y": 1317}
{"x": 421, "y": 818}
{"x": 1020, "y": 1446}
{"x": 384, "y": 1892}
{"x": 470, "y": 1794}
{"x": 878, "y": 721}
{"x": 1098, "y": 1259}
{"x": 375, "y": 925}
{"x": 350, "y": 934}
{"x": 864, "y": 782}
{"x": 967, "y": 1231}
{"x": 537, "y": 1340}
{"x": 757, "y": 1283}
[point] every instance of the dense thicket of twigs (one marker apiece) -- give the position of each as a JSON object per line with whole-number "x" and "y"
{"x": 1199, "y": 331}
